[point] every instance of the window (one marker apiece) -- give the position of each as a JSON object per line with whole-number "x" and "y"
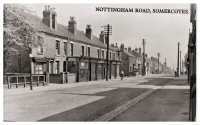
{"x": 57, "y": 47}
{"x": 110, "y": 56}
{"x": 57, "y": 67}
{"x": 82, "y": 47}
{"x": 113, "y": 56}
{"x": 88, "y": 51}
{"x": 102, "y": 52}
{"x": 71, "y": 49}
{"x": 98, "y": 53}
{"x": 51, "y": 67}
{"x": 39, "y": 69}
{"x": 64, "y": 66}
{"x": 118, "y": 55}
{"x": 65, "y": 48}
{"x": 40, "y": 48}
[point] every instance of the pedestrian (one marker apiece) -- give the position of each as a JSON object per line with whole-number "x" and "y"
{"x": 175, "y": 74}
{"x": 122, "y": 74}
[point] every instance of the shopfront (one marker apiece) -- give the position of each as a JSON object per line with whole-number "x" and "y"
{"x": 91, "y": 69}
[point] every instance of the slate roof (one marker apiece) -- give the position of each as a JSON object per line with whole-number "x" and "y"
{"x": 62, "y": 31}
{"x": 136, "y": 54}
{"x": 129, "y": 54}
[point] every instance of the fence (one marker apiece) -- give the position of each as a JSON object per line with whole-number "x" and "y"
{"x": 24, "y": 79}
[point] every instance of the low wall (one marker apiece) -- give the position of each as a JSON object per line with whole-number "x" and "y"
{"x": 71, "y": 78}
{"x": 56, "y": 78}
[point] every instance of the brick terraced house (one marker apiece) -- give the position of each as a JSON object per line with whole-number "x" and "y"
{"x": 70, "y": 55}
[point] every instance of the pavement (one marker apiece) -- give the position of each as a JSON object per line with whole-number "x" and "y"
{"x": 88, "y": 101}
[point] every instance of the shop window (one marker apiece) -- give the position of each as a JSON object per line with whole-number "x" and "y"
{"x": 57, "y": 67}
{"x": 39, "y": 69}
{"x": 71, "y": 67}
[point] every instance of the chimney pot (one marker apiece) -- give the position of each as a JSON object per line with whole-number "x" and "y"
{"x": 129, "y": 49}
{"x": 72, "y": 25}
{"x": 140, "y": 51}
{"x": 88, "y": 32}
{"x": 101, "y": 37}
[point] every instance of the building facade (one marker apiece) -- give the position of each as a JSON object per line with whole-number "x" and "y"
{"x": 64, "y": 51}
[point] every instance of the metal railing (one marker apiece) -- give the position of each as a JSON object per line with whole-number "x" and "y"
{"x": 24, "y": 79}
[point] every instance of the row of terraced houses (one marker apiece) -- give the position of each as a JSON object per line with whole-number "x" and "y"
{"x": 70, "y": 55}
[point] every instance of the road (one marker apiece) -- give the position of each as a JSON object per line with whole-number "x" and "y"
{"x": 153, "y": 98}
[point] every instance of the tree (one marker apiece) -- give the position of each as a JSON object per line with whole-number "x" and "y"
{"x": 20, "y": 30}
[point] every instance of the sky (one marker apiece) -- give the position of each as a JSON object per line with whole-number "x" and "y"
{"x": 161, "y": 31}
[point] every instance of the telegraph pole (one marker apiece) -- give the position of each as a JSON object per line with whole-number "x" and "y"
{"x": 178, "y": 61}
{"x": 165, "y": 65}
{"x": 158, "y": 62}
{"x": 107, "y": 32}
{"x": 180, "y": 64}
{"x": 144, "y": 68}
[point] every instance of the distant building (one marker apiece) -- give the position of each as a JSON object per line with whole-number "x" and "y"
{"x": 154, "y": 65}
{"x": 131, "y": 61}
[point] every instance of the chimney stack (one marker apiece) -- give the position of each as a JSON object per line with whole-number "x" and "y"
{"x": 101, "y": 37}
{"x": 122, "y": 47}
{"x": 140, "y": 51}
{"x": 116, "y": 45}
{"x": 126, "y": 49}
{"x": 50, "y": 17}
{"x": 72, "y": 25}
{"x": 88, "y": 32}
{"x": 136, "y": 50}
{"x": 129, "y": 49}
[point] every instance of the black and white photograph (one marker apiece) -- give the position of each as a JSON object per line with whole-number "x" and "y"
{"x": 99, "y": 62}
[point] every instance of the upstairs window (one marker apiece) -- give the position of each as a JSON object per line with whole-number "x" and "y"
{"x": 83, "y": 50}
{"x": 98, "y": 53}
{"x": 65, "y": 48}
{"x": 102, "y": 54}
{"x": 57, "y": 47}
{"x": 40, "y": 48}
{"x": 71, "y": 49}
{"x": 113, "y": 56}
{"x": 88, "y": 51}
